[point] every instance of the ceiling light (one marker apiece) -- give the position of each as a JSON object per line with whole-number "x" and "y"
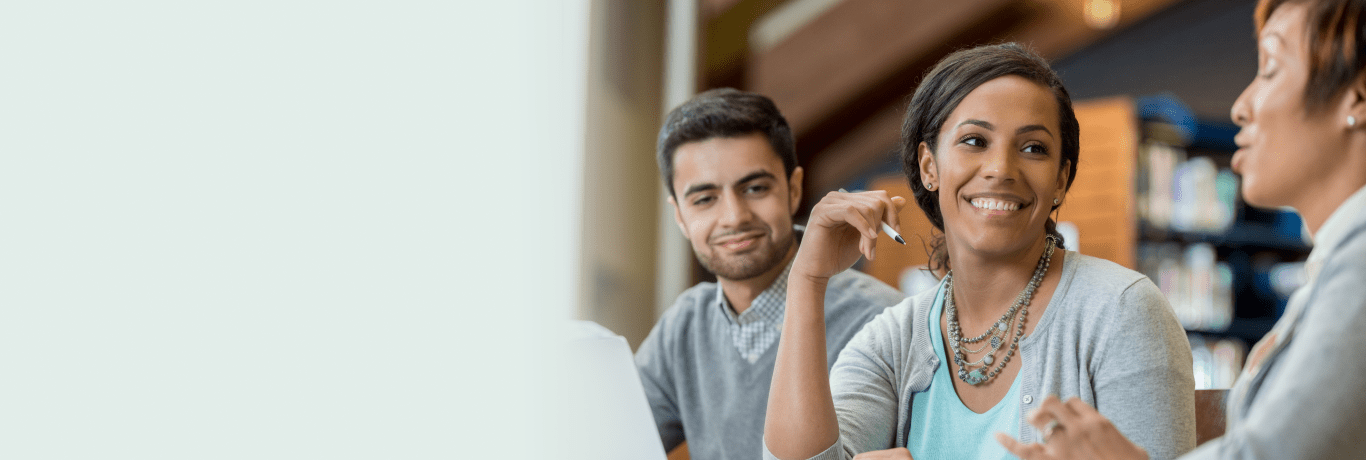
{"x": 1101, "y": 14}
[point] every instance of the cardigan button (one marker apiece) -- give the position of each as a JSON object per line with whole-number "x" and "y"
{"x": 1028, "y": 399}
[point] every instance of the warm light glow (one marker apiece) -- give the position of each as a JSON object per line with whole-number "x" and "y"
{"x": 1101, "y": 14}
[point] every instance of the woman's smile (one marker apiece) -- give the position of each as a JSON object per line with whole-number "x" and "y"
{"x": 998, "y": 204}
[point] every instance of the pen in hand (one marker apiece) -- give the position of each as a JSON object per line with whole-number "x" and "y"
{"x": 887, "y": 228}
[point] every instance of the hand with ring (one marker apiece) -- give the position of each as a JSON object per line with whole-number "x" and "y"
{"x": 1072, "y": 430}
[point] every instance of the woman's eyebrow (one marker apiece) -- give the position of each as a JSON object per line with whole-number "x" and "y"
{"x": 973, "y": 121}
{"x": 1025, "y": 129}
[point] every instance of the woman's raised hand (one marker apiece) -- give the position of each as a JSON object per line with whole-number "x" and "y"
{"x": 842, "y": 227}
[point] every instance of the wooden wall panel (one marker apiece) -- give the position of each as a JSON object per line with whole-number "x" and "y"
{"x": 892, "y": 257}
{"x": 1101, "y": 201}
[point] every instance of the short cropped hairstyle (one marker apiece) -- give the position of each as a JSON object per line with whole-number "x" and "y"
{"x": 724, "y": 112}
{"x": 945, "y": 86}
{"x": 1337, "y": 53}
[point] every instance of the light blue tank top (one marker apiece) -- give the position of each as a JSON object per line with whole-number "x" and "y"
{"x": 942, "y": 427}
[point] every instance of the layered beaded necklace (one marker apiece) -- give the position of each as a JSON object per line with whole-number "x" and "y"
{"x": 994, "y": 337}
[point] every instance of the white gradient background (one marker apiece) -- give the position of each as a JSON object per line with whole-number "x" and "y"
{"x": 278, "y": 229}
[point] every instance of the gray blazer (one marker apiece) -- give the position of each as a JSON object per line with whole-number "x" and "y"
{"x": 1302, "y": 394}
{"x": 1108, "y": 337}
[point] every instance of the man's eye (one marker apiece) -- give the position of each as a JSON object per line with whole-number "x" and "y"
{"x": 757, "y": 189}
{"x": 701, "y": 201}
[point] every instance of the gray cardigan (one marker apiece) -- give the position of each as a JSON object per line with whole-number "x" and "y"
{"x": 1307, "y": 398}
{"x": 1108, "y": 337}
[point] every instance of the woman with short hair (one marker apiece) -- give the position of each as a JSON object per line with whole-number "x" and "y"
{"x": 1302, "y": 144}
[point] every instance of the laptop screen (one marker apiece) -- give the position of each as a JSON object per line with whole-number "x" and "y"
{"x": 605, "y": 414}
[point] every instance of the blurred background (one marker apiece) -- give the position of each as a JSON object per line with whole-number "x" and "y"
{"x": 1152, "y": 81}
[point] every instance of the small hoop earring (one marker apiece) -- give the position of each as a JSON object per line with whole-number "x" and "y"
{"x": 1351, "y": 121}
{"x": 1056, "y": 202}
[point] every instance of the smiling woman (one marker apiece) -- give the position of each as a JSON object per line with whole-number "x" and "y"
{"x": 1032, "y": 92}
{"x": 990, "y": 147}
{"x": 1001, "y": 170}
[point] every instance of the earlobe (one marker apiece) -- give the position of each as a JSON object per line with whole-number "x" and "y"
{"x": 1355, "y": 104}
{"x": 794, "y": 189}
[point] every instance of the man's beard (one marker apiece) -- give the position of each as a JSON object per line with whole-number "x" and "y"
{"x": 750, "y": 265}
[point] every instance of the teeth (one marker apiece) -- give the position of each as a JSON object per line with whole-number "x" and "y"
{"x": 995, "y": 205}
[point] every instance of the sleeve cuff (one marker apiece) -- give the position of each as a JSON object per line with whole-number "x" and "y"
{"x": 830, "y": 453}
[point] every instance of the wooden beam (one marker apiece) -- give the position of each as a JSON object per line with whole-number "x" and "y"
{"x": 855, "y": 46}
{"x": 710, "y": 9}
{"x": 725, "y": 40}
{"x": 868, "y": 144}
{"x": 1053, "y": 28}
{"x": 1057, "y": 28}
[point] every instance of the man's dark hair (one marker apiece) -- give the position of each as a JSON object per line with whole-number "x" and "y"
{"x": 945, "y": 87}
{"x": 724, "y": 112}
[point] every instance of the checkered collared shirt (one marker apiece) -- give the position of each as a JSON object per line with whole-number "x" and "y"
{"x": 757, "y": 328}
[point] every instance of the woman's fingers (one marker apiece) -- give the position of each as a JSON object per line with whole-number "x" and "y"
{"x": 863, "y": 212}
{"x": 1081, "y": 409}
{"x": 889, "y": 209}
{"x": 1095, "y": 429}
{"x": 851, "y": 214}
{"x": 870, "y": 210}
{"x": 894, "y": 218}
{"x": 881, "y": 207}
{"x": 1088, "y": 422}
{"x": 872, "y": 247}
{"x": 849, "y": 209}
{"x": 877, "y": 207}
{"x": 1024, "y": 451}
{"x": 1054, "y": 419}
{"x": 1073, "y": 429}
{"x": 1050, "y": 410}
{"x": 1040, "y": 417}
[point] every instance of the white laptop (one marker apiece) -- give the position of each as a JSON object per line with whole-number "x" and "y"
{"x": 605, "y": 414}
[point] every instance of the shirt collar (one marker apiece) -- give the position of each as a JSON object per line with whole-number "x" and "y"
{"x": 772, "y": 298}
{"x": 1335, "y": 229}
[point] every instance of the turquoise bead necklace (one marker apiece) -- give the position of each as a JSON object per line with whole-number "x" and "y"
{"x": 995, "y": 336}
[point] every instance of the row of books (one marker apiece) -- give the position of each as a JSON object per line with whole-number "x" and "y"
{"x": 1217, "y": 360}
{"x": 1201, "y": 289}
{"x": 1198, "y": 286}
{"x": 1186, "y": 195}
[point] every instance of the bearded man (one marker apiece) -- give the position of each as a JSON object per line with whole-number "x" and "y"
{"x": 728, "y": 161}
